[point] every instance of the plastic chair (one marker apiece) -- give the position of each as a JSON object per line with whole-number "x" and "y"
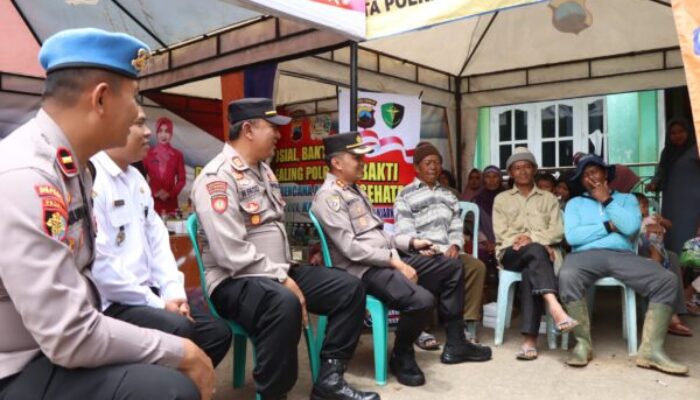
{"x": 467, "y": 207}
{"x": 376, "y": 309}
{"x": 240, "y": 336}
{"x": 506, "y": 289}
{"x": 629, "y": 312}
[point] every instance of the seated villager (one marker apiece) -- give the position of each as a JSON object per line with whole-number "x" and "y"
{"x": 134, "y": 269}
{"x": 427, "y": 210}
{"x": 545, "y": 181}
{"x": 601, "y": 226}
{"x": 391, "y": 267}
{"x": 528, "y": 228}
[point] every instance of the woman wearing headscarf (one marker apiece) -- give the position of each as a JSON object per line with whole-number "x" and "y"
{"x": 473, "y": 186}
{"x": 678, "y": 177}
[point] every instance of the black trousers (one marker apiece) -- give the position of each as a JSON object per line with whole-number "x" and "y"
{"x": 438, "y": 276}
{"x": 271, "y": 314}
{"x": 42, "y": 380}
{"x": 538, "y": 278}
{"x": 211, "y": 335}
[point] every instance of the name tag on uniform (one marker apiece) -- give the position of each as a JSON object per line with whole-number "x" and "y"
{"x": 119, "y": 203}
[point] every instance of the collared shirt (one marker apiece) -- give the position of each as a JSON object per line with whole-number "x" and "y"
{"x": 431, "y": 214}
{"x": 241, "y": 212}
{"x": 47, "y": 300}
{"x": 357, "y": 240}
{"x": 538, "y": 215}
{"x": 585, "y": 220}
{"x": 133, "y": 246}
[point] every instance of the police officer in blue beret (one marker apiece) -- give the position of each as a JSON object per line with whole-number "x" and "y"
{"x": 55, "y": 343}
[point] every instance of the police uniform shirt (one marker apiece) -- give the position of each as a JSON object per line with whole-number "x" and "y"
{"x": 133, "y": 246}
{"x": 47, "y": 302}
{"x": 241, "y": 212}
{"x": 356, "y": 232}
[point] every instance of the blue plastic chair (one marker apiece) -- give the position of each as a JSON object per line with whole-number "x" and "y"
{"x": 377, "y": 310}
{"x": 629, "y": 312}
{"x": 240, "y": 336}
{"x": 506, "y": 289}
{"x": 467, "y": 207}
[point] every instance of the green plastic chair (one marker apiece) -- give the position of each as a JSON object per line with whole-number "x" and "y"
{"x": 376, "y": 309}
{"x": 240, "y": 336}
{"x": 467, "y": 207}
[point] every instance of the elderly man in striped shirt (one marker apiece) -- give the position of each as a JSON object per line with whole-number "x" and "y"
{"x": 427, "y": 210}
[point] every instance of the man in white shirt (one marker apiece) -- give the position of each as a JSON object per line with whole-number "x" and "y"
{"x": 134, "y": 269}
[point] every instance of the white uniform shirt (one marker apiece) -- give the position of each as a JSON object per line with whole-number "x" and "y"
{"x": 132, "y": 246}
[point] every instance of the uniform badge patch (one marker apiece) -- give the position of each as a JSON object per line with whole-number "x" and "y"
{"x": 333, "y": 202}
{"x": 217, "y": 187}
{"x": 238, "y": 175}
{"x": 237, "y": 162}
{"x": 219, "y": 203}
{"x": 55, "y": 224}
{"x": 340, "y": 184}
{"x": 252, "y": 207}
{"x": 255, "y": 219}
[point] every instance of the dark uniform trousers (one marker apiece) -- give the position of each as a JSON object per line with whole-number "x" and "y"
{"x": 538, "y": 278}
{"x": 271, "y": 314}
{"x": 438, "y": 276}
{"x": 211, "y": 335}
{"x": 42, "y": 380}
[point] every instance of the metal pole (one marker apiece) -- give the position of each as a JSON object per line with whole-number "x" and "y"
{"x": 458, "y": 131}
{"x": 353, "y": 86}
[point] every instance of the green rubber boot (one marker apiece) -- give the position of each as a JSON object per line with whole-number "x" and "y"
{"x": 651, "y": 352}
{"x": 582, "y": 353}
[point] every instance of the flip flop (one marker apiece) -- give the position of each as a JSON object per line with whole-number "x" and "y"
{"x": 565, "y": 326}
{"x": 527, "y": 354}
{"x": 427, "y": 341}
{"x": 679, "y": 329}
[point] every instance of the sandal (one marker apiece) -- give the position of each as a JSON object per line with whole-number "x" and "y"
{"x": 566, "y": 326}
{"x": 527, "y": 354}
{"x": 427, "y": 341}
{"x": 679, "y": 329}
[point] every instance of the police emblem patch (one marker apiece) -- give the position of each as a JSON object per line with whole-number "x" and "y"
{"x": 219, "y": 199}
{"x": 55, "y": 224}
{"x": 333, "y": 202}
{"x": 251, "y": 207}
{"x": 219, "y": 203}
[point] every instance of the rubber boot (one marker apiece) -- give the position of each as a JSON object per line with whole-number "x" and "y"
{"x": 582, "y": 353}
{"x": 331, "y": 384}
{"x": 651, "y": 352}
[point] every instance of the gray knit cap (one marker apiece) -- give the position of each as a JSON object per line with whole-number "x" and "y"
{"x": 521, "y": 154}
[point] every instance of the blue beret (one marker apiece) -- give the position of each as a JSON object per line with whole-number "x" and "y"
{"x": 94, "y": 48}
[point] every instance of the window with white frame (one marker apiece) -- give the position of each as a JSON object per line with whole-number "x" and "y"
{"x": 554, "y": 131}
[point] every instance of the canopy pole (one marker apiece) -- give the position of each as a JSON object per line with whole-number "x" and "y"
{"x": 353, "y": 86}
{"x": 458, "y": 131}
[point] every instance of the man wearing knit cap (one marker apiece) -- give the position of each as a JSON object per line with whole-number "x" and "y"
{"x": 601, "y": 226}
{"x": 390, "y": 267}
{"x": 430, "y": 211}
{"x": 55, "y": 342}
{"x": 528, "y": 228}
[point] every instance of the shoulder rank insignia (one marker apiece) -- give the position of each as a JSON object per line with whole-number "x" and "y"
{"x": 333, "y": 202}
{"x": 66, "y": 162}
{"x": 340, "y": 184}
{"x": 238, "y": 175}
{"x": 237, "y": 162}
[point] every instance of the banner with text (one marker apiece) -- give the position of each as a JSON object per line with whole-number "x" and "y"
{"x": 687, "y": 16}
{"x": 391, "y": 122}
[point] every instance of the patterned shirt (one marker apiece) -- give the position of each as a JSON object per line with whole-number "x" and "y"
{"x": 431, "y": 214}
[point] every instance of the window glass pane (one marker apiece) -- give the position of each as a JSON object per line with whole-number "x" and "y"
{"x": 595, "y": 116}
{"x": 549, "y": 154}
{"x": 548, "y": 126}
{"x": 520, "y": 125}
{"x": 566, "y": 121}
{"x": 504, "y": 152}
{"x": 566, "y": 153}
{"x": 505, "y": 126}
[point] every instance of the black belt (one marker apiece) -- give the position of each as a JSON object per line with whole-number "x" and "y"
{"x": 76, "y": 215}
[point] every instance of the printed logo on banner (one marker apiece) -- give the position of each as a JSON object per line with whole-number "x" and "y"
{"x": 365, "y": 112}
{"x": 392, "y": 113}
{"x": 696, "y": 41}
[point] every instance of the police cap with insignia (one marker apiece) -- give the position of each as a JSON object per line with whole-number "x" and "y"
{"x": 350, "y": 142}
{"x": 254, "y": 108}
{"x": 94, "y": 48}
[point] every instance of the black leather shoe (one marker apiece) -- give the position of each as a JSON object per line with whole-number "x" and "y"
{"x": 467, "y": 352}
{"x": 331, "y": 385}
{"x": 403, "y": 365}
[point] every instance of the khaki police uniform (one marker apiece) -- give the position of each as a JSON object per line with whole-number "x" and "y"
{"x": 55, "y": 342}
{"x": 359, "y": 244}
{"x": 246, "y": 256}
